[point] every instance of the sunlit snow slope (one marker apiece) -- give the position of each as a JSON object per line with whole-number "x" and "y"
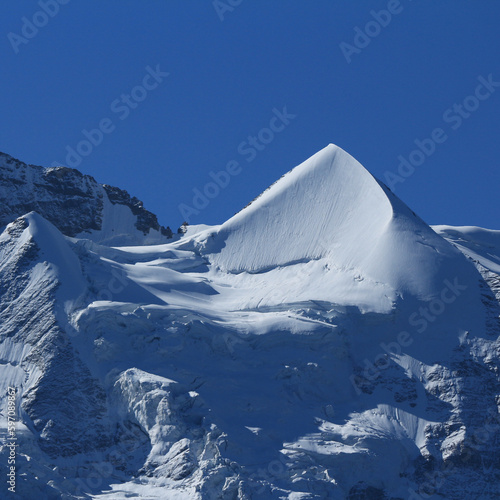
{"x": 332, "y": 211}
{"x": 324, "y": 343}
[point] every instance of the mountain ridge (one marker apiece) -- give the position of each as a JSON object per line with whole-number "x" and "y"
{"x": 76, "y": 204}
{"x": 226, "y": 365}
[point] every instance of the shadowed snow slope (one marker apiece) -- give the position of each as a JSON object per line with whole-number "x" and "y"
{"x": 331, "y": 208}
{"x": 322, "y": 343}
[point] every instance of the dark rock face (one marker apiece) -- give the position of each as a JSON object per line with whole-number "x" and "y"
{"x": 70, "y": 200}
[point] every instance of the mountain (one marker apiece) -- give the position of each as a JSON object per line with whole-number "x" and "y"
{"x": 324, "y": 342}
{"x": 330, "y": 212}
{"x": 76, "y": 204}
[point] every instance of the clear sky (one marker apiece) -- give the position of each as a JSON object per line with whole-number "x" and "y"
{"x": 254, "y": 87}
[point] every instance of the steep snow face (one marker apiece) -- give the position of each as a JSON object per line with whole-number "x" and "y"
{"x": 120, "y": 227}
{"x": 331, "y": 210}
{"x": 40, "y": 281}
{"x": 327, "y": 206}
{"x": 357, "y": 359}
{"x": 76, "y": 204}
{"x": 55, "y": 251}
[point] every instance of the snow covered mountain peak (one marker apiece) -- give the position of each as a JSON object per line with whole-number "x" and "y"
{"x": 331, "y": 210}
{"x": 56, "y": 253}
{"x": 322, "y": 343}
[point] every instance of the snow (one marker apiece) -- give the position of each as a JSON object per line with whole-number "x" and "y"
{"x": 330, "y": 213}
{"x": 226, "y": 358}
{"x": 57, "y": 262}
{"x": 73, "y": 201}
{"x": 118, "y": 227}
{"x": 482, "y": 245}
{"x": 56, "y": 251}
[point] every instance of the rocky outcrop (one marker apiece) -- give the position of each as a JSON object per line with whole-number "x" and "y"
{"x": 72, "y": 201}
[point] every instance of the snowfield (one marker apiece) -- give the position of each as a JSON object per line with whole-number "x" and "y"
{"x": 322, "y": 343}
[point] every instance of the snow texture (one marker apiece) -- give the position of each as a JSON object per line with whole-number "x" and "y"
{"x": 322, "y": 343}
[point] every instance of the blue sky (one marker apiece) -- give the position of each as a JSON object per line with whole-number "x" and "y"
{"x": 374, "y": 77}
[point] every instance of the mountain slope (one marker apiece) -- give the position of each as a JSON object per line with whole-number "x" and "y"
{"x": 330, "y": 213}
{"x": 323, "y": 343}
{"x": 76, "y": 204}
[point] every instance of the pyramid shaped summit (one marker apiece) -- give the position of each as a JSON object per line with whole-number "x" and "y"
{"x": 330, "y": 208}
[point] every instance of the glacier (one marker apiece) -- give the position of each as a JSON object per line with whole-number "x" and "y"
{"x": 324, "y": 342}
